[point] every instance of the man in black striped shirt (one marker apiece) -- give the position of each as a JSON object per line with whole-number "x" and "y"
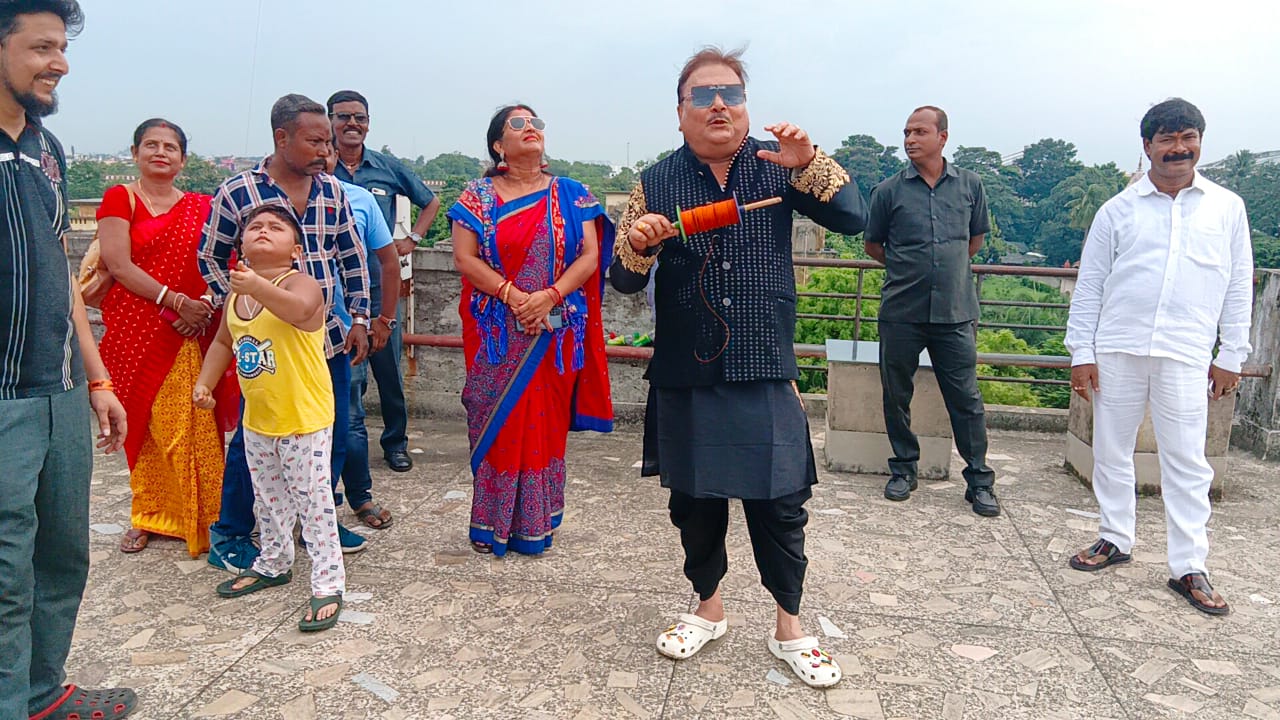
{"x": 46, "y": 355}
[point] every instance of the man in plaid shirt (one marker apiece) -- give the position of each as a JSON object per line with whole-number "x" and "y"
{"x": 293, "y": 176}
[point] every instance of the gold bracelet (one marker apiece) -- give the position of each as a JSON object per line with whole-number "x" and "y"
{"x": 101, "y": 386}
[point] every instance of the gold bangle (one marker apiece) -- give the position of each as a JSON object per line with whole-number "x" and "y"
{"x": 101, "y": 386}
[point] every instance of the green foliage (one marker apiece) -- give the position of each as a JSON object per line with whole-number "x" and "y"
{"x": 1004, "y": 393}
{"x": 449, "y": 165}
{"x": 86, "y": 179}
{"x": 867, "y": 161}
{"x": 1043, "y": 165}
{"x": 202, "y": 176}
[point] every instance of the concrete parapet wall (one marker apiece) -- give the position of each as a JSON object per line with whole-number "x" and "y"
{"x": 1257, "y": 426}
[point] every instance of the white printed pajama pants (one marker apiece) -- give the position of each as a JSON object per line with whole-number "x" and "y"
{"x": 1177, "y": 393}
{"x": 291, "y": 482}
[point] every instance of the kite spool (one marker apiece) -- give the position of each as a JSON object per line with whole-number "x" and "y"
{"x": 717, "y": 215}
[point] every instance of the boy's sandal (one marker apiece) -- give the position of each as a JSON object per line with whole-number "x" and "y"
{"x": 689, "y": 635}
{"x": 374, "y": 515}
{"x": 228, "y": 589}
{"x": 315, "y": 605}
{"x": 134, "y": 541}
{"x": 808, "y": 661}
{"x": 77, "y": 703}
{"x": 1198, "y": 581}
{"x": 1102, "y": 548}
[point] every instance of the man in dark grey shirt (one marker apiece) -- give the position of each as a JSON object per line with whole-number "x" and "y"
{"x": 925, "y": 223}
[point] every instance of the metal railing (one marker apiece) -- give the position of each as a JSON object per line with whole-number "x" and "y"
{"x": 811, "y": 351}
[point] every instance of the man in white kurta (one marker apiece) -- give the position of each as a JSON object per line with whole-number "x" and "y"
{"x": 1167, "y": 269}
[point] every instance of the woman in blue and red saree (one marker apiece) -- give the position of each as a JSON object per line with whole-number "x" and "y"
{"x": 528, "y": 246}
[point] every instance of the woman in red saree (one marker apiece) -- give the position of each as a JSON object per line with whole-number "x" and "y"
{"x": 156, "y": 337}
{"x": 528, "y": 246}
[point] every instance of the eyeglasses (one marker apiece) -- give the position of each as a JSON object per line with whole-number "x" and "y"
{"x": 360, "y": 118}
{"x": 704, "y": 96}
{"x": 520, "y": 121}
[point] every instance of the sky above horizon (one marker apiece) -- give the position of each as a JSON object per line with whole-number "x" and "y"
{"x": 603, "y": 75}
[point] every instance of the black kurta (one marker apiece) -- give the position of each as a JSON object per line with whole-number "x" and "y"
{"x": 723, "y": 418}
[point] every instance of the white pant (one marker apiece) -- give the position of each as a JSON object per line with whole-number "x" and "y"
{"x": 1178, "y": 396}
{"x": 290, "y": 483}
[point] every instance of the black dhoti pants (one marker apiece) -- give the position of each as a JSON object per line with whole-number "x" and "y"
{"x": 776, "y": 527}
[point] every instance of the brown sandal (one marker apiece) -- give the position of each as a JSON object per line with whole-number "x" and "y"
{"x": 482, "y": 548}
{"x": 1194, "y": 582}
{"x": 134, "y": 541}
{"x": 1102, "y": 548}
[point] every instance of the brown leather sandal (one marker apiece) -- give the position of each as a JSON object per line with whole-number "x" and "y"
{"x": 1194, "y": 582}
{"x": 134, "y": 541}
{"x": 1102, "y": 548}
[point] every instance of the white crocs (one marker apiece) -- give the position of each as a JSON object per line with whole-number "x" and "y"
{"x": 688, "y": 635}
{"x": 814, "y": 666}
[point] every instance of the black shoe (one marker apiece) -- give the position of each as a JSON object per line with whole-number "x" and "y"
{"x": 399, "y": 461}
{"x": 984, "y": 501}
{"x": 899, "y": 487}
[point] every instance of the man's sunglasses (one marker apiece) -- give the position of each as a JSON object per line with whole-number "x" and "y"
{"x": 519, "y": 122}
{"x": 360, "y": 118}
{"x": 704, "y": 96}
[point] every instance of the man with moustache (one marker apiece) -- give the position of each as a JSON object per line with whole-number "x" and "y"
{"x": 50, "y": 377}
{"x": 724, "y": 419}
{"x": 385, "y": 177}
{"x": 926, "y": 222}
{"x": 1167, "y": 270}
{"x": 293, "y": 176}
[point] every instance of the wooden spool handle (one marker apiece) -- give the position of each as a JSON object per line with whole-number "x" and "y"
{"x": 761, "y": 203}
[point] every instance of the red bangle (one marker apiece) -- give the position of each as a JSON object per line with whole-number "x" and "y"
{"x": 559, "y": 298}
{"x": 101, "y": 386}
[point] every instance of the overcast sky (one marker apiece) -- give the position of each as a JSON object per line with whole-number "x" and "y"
{"x": 602, "y": 74}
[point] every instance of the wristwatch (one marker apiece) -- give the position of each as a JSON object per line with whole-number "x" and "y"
{"x": 361, "y": 320}
{"x": 390, "y": 322}
{"x": 415, "y": 237}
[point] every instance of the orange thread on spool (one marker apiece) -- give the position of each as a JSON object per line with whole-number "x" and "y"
{"x": 709, "y": 217}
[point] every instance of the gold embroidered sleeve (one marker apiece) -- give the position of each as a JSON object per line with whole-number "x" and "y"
{"x": 630, "y": 259}
{"x": 821, "y": 178}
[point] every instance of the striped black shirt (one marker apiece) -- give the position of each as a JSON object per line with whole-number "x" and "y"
{"x": 39, "y": 354}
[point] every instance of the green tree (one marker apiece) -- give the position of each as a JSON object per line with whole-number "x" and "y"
{"x": 85, "y": 179}
{"x": 201, "y": 175}
{"x": 1043, "y": 165}
{"x": 867, "y": 161}
{"x": 450, "y": 165}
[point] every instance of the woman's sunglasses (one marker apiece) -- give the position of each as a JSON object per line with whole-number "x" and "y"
{"x": 519, "y": 122}
{"x": 704, "y": 96}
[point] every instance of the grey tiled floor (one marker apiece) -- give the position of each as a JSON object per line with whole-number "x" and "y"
{"x": 945, "y": 614}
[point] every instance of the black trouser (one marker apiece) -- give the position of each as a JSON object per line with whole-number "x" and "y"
{"x": 954, "y": 354}
{"x": 777, "y": 539}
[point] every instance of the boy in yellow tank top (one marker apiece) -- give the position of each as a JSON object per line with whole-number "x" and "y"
{"x": 274, "y": 332}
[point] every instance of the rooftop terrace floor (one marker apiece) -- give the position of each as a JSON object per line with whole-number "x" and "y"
{"x": 937, "y": 613}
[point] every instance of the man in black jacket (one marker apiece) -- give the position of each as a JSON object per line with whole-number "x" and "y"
{"x": 724, "y": 418}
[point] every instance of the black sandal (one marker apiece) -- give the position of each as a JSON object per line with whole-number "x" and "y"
{"x": 78, "y": 703}
{"x": 1103, "y": 548}
{"x": 482, "y": 548}
{"x": 1198, "y": 581}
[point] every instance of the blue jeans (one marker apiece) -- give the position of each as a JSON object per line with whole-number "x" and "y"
{"x": 385, "y": 366}
{"x": 355, "y": 473}
{"x": 235, "y": 519}
{"x": 44, "y": 543}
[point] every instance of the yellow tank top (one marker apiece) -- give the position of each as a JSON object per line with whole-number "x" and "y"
{"x": 283, "y": 374}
